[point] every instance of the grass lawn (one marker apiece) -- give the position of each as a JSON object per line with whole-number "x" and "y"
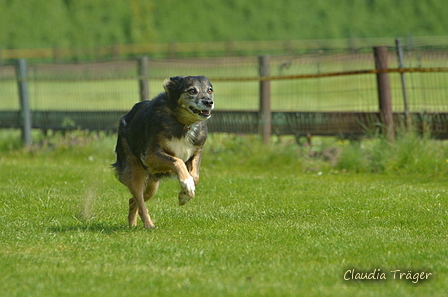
{"x": 259, "y": 226}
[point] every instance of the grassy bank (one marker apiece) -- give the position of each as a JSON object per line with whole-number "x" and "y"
{"x": 82, "y": 23}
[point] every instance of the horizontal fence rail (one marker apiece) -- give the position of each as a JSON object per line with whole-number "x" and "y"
{"x": 312, "y": 94}
{"x": 218, "y": 48}
{"x": 331, "y": 74}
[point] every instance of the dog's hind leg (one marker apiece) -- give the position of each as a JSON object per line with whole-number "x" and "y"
{"x": 151, "y": 188}
{"x": 133, "y": 209}
{"x": 138, "y": 188}
{"x": 133, "y": 212}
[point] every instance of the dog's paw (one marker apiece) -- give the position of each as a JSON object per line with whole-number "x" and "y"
{"x": 188, "y": 190}
{"x": 188, "y": 187}
{"x": 183, "y": 198}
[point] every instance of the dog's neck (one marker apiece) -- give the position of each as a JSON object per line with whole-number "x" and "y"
{"x": 185, "y": 118}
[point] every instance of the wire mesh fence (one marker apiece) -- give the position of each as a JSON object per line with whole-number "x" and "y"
{"x": 320, "y": 82}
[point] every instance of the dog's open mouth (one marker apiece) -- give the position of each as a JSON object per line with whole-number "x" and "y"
{"x": 203, "y": 112}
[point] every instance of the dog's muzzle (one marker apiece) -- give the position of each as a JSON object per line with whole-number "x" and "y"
{"x": 203, "y": 112}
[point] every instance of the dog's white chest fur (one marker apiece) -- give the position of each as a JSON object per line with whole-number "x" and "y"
{"x": 182, "y": 148}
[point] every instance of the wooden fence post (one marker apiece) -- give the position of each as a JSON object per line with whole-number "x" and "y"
{"x": 400, "y": 57}
{"x": 172, "y": 49}
{"x": 56, "y": 54}
{"x": 115, "y": 51}
{"x": 265, "y": 98}
{"x": 143, "y": 76}
{"x": 384, "y": 94}
{"x": 25, "y": 112}
{"x": 229, "y": 48}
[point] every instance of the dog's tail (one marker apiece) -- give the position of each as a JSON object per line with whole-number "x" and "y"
{"x": 122, "y": 147}
{"x": 124, "y": 151}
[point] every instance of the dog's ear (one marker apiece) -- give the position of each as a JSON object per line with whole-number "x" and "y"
{"x": 172, "y": 84}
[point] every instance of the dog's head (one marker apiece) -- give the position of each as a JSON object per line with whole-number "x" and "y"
{"x": 193, "y": 96}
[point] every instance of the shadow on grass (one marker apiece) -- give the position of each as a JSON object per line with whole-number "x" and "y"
{"x": 100, "y": 227}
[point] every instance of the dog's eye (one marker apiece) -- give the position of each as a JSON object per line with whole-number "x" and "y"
{"x": 192, "y": 91}
{"x": 210, "y": 90}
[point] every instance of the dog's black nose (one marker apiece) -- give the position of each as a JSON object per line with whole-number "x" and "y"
{"x": 208, "y": 102}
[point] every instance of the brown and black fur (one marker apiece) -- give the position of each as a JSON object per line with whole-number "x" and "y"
{"x": 164, "y": 137}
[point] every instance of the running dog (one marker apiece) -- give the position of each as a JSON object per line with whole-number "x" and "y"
{"x": 164, "y": 137}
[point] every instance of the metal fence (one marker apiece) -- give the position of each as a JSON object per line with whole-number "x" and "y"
{"x": 319, "y": 93}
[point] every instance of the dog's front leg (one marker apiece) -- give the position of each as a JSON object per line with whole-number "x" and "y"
{"x": 193, "y": 166}
{"x": 163, "y": 162}
{"x": 193, "y": 169}
{"x": 186, "y": 181}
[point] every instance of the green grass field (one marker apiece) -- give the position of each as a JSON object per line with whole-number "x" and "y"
{"x": 265, "y": 222}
